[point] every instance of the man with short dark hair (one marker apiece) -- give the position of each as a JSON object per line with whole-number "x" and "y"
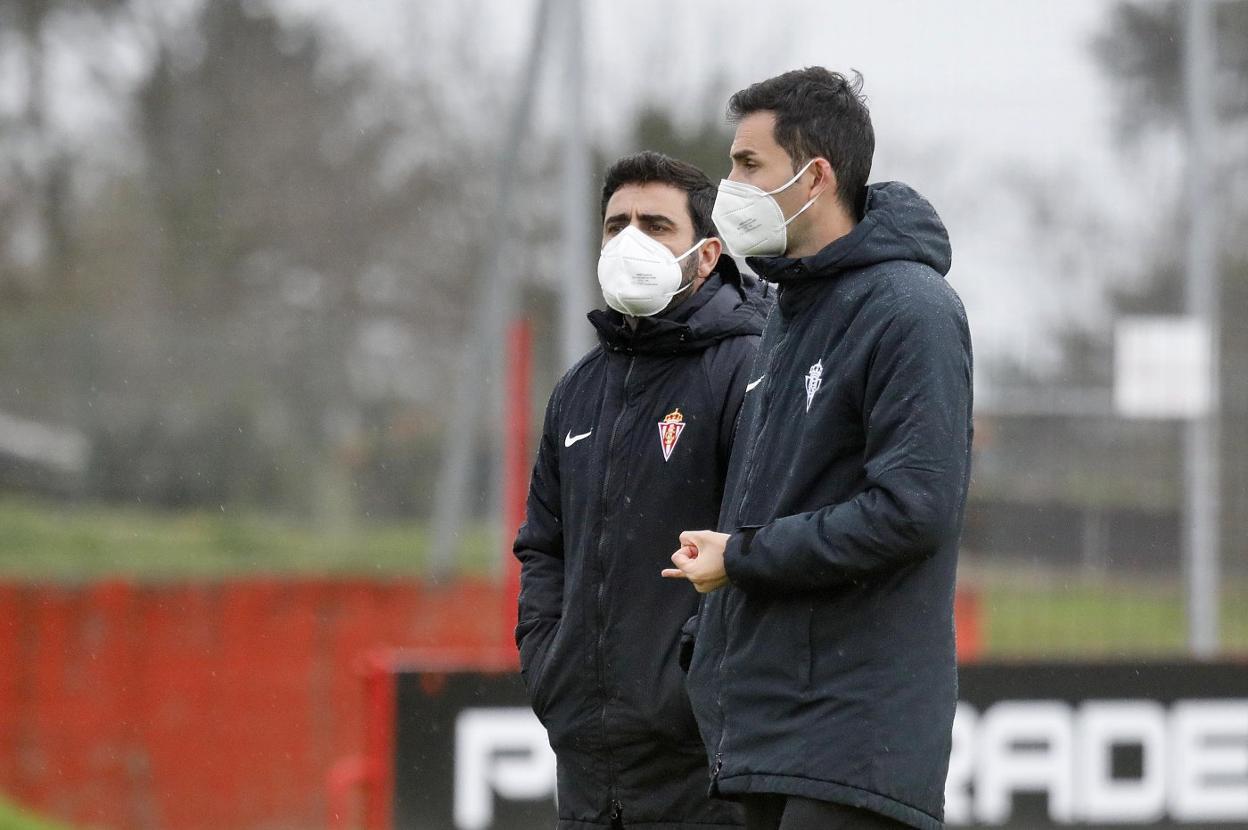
{"x": 634, "y": 448}
{"x": 823, "y": 674}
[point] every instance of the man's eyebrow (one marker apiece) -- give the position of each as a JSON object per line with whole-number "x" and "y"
{"x": 742, "y": 154}
{"x": 649, "y": 218}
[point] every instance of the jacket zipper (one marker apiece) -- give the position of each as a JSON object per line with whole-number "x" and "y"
{"x": 755, "y": 440}
{"x": 757, "y": 436}
{"x": 719, "y": 696}
{"x": 617, "y": 809}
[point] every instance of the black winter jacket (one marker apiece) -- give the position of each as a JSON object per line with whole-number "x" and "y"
{"x": 634, "y": 450}
{"x": 825, "y": 669}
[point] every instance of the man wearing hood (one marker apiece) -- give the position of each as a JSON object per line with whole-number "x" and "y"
{"x": 823, "y": 672}
{"x": 634, "y": 448}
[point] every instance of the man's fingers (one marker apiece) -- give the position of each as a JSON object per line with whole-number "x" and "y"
{"x": 690, "y": 538}
{"x": 680, "y": 560}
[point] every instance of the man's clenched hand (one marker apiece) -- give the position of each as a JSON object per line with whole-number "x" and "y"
{"x": 700, "y": 560}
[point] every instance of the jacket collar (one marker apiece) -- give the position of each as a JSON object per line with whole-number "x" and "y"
{"x": 666, "y": 332}
{"x": 827, "y": 261}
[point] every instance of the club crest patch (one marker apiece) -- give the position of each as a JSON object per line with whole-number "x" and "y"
{"x": 814, "y": 378}
{"x": 670, "y": 428}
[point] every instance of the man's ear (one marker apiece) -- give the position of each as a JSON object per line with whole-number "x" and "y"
{"x": 825, "y": 177}
{"x": 708, "y": 256}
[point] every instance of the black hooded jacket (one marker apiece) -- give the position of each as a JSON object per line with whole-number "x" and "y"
{"x": 826, "y": 667}
{"x": 634, "y": 450}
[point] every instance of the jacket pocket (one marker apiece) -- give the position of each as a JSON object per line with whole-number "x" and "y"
{"x": 805, "y": 644}
{"x": 536, "y": 638}
{"x": 768, "y": 643}
{"x": 688, "y": 638}
{"x": 687, "y": 730}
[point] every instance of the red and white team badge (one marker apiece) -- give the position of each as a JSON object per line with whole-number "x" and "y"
{"x": 669, "y": 432}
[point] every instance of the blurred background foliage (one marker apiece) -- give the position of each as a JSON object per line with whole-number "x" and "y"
{"x": 230, "y": 310}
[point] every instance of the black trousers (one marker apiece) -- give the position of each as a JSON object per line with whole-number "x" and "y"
{"x": 790, "y": 812}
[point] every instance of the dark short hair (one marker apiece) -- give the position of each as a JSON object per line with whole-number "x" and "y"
{"x": 818, "y": 113}
{"x": 650, "y": 167}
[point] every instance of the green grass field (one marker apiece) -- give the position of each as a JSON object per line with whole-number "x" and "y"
{"x": 12, "y": 818}
{"x": 1025, "y": 613}
{"x": 1048, "y": 614}
{"x": 40, "y": 542}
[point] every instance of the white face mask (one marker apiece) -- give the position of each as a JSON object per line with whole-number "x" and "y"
{"x": 639, "y": 276}
{"x": 750, "y": 220}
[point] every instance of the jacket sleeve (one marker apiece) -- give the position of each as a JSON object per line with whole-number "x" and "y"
{"x": 539, "y": 542}
{"x": 917, "y": 420}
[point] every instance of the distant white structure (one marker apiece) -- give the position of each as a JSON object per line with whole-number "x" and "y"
{"x": 62, "y": 448}
{"x": 1162, "y": 367}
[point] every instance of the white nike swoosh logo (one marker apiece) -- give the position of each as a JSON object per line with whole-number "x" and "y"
{"x": 752, "y": 384}
{"x": 571, "y": 439}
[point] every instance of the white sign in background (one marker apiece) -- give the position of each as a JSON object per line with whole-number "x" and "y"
{"x": 1162, "y": 367}
{"x": 1193, "y": 758}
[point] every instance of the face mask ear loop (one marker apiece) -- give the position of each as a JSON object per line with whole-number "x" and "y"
{"x": 789, "y": 183}
{"x": 808, "y": 204}
{"x": 800, "y": 212}
{"x": 685, "y": 285}
{"x": 696, "y": 245}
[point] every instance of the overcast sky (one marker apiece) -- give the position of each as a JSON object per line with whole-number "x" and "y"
{"x": 967, "y": 97}
{"x": 975, "y": 102}
{"x": 964, "y": 96}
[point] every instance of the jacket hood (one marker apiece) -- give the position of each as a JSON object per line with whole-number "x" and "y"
{"x": 729, "y": 304}
{"x": 898, "y": 224}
